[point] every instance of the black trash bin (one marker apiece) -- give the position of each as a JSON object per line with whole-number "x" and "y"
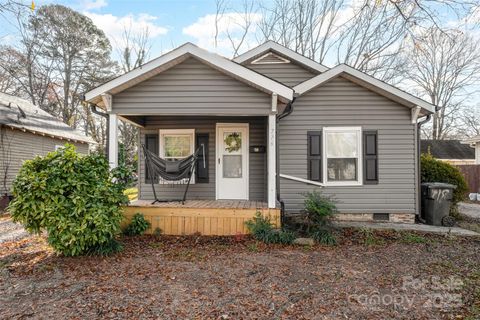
{"x": 436, "y": 202}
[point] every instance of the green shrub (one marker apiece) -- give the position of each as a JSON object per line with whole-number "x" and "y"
{"x": 324, "y": 236}
{"x": 319, "y": 212}
{"x": 263, "y": 230}
{"x": 319, "y": 209}
{"x": 434, "y": 170}
{"x": 76, "y": 199}
{"x": 137, "y": 226}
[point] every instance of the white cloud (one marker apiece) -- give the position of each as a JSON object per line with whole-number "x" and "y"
{"x": 114, "y": 26}
{"x": 87, "y": 5}
{"x": 203, "y": 31}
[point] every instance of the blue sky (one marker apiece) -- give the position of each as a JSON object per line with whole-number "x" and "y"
{"x": 165, "y": 19}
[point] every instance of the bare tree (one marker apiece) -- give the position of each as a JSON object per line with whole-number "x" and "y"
{"x": 134, "y": 51}
{"x": 306, "y": 26}
{"x": 244, "y": 20}
{"x": 79, "y": 53}
{"x": 221, "y": 7}
{"x": 28, "y": 75}
{"x": 468, "y": 122}
{"x": 372, "y": 40}
{"x": 444, "y": 66}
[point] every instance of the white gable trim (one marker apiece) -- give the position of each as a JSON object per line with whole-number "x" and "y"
{"x": 178, "y": 55}
{"x": 370, "y": 82}
{"x": 259, "y": 60}
{"x": 292, "y": 55}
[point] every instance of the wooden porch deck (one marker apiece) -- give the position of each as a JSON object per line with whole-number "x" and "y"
{"x": 206, "y": 217}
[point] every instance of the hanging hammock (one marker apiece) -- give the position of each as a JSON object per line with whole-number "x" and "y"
{"x": 171, "y": 170}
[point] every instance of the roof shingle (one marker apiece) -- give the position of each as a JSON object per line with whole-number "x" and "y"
{"x": 447, "y": 149}
{"x": 21, "y": 114}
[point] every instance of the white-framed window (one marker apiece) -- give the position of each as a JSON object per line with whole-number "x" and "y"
{"x": 342, "y": 156}
{"x": 176, "y": 144}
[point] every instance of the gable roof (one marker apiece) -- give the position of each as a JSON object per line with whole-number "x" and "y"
{"x": 472, "y": 140}
{"x": 447, "y": 149}
{"x": 179, "y": 55}
{"x": 20, "y": 114}
{"x": 271, "y": 46}
{"x": 368, "y": 82}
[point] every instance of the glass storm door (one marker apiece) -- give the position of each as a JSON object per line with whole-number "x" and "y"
{"x": 232, "y": 161}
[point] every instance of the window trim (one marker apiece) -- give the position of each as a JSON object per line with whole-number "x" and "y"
{"x": 161, "y": 148}
{"x": 359, "y": 181}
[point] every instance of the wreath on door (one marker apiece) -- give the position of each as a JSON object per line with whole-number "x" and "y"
{"x": 233, "y": 142}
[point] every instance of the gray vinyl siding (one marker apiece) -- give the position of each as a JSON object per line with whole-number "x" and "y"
{"x": 192, "y": 88}
{"x": 289, "y": 74}
{"x": 206, "y": 191}
{"x": 25, "y": 146}
{"x": 343, "y": 103}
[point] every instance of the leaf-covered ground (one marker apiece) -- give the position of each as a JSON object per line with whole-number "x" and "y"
{"x": 368, "y": 275}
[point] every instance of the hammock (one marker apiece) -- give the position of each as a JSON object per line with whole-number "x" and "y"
{"x": 171, "y": 170}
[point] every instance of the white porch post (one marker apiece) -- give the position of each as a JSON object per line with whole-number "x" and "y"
{"x": 112, "y": 131}
{"x": 113, "y": 140}
{"x": 271, "y": 153}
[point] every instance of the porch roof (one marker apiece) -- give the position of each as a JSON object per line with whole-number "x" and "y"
{"x": 179, "y": 55}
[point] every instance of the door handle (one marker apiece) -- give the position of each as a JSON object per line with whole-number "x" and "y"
{"x": 218, "y": 160}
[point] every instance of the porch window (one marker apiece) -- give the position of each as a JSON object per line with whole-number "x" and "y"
{"x": 176, "y": 144}
{"x": 342, "y": 150}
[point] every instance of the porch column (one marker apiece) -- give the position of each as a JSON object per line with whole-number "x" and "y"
{"x": 113, "y": 140}
{"x": 271, "y": 153}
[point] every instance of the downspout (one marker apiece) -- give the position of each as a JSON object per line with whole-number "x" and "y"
{"x": 419, "y": 164}
{"x": 288, "y": 110}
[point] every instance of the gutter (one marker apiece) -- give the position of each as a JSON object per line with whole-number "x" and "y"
{"x": 288, "y": 110}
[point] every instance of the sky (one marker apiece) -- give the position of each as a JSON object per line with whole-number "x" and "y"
{"x": 170, "y": 22}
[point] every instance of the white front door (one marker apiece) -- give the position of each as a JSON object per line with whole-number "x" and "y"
{"x": 232, "y": 161}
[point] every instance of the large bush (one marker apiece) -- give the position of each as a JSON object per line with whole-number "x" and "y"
{"x": 76, "y": 199}
{"x": 434, "y": 170}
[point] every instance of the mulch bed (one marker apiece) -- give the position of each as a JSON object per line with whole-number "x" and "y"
{"x": 368, "y": 275}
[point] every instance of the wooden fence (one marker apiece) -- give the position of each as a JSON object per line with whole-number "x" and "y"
{"x": 471, "y": 172}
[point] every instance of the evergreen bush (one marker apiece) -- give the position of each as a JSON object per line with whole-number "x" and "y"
{"x": 76, "y": 199}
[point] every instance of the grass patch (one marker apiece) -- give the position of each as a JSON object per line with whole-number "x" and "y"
{"x": 370, "y": 238}
{"x": 412, "y": 238}
{"x": 253, "y": 247}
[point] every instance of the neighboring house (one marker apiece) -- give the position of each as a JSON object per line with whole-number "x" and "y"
{"x": 452, "y": 151}
{"x": 300, "y": 126}
{"x": 28, "y": 131}
{"x": 474, "y": 143}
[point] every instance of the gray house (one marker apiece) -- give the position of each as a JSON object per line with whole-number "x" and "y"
{"x": 276, "y": 124}
{"x": 27, "y": 131}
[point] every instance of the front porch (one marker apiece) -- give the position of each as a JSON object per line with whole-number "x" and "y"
{"x": 206, "y": 217}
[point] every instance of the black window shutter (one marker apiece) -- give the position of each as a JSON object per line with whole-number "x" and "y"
{"x": 314, "y": 155}
{"x": 151, "y": 143}
{"x": 201, "y": 171}
{"x": 370, "y": 157}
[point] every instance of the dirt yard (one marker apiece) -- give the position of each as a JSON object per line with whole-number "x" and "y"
{"x": 368, "y": 275}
